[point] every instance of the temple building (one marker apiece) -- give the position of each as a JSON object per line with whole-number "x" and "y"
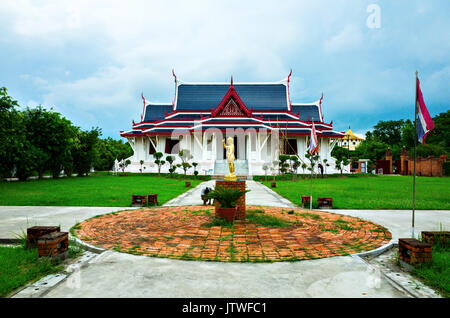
{"x": 350, "y": 141}
{"x": 260, "y": 116}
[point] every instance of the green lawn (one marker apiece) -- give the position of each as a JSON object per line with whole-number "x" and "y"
{"x": 371, "y": 192}
{"x": 96, "y": 190}
{"x": 437, "y": 274}
{"x": 19, "y": 266}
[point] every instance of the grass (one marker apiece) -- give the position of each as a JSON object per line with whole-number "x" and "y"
{"x": 437, "y": 273}
{"x": 265, "y": 220}
{"x": 371, "y": 192}
{"x": 98, "y": 189}
{"x": 19, "y": 266}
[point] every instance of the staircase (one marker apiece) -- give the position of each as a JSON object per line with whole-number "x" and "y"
{"x": 221, "y": 168}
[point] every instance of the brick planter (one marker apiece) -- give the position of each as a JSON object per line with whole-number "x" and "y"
{"x": 138, "y": 200}
{"x": 35, "y": 232}
{"x": 305, "y": 201}
{"x": 227, "y": 214}
{"x": 325, "y": 202}
{"x": 152, "y": 199}
{"x": 431, "y": 237}
{"x": 240, "y": 203}
{"x": 55, "y": 244}
{"x": 412, "y": 251}
{"x": 273, "y": 184}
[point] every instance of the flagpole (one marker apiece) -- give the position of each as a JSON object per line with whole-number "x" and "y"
{"x": 415, "y": 152}
{"x": 310, "y": 185}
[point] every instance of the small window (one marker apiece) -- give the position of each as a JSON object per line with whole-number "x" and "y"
{"x": 151, "y": 149}
{"x": 172, "y": 146}
{"x": 290, "y": 147}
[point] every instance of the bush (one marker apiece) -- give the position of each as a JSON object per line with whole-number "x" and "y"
{"x": 446, "y": 168}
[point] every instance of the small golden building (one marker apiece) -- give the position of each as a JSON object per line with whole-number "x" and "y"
{"x": 350, "y": 141}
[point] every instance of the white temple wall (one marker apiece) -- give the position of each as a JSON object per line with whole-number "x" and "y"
{"x": 256, "y": 148}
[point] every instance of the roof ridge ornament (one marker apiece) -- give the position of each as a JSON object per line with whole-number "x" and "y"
{"x": 176, "y": 89}
{"x": 288, "y": 93}
{"x": 143, "y": 109}
{"x": 232, "y": 81}
{"x": 320, "y": 108}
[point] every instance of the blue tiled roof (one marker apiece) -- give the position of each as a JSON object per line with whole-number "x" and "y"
{"x": 307, "y": 112}
{"x": 258, "y": 96}
{"x": 157, "y": 110}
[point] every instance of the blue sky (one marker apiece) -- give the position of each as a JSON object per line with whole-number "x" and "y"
{"x": 90, "y": 60}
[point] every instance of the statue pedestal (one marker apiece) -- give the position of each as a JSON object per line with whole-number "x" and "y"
{"x": 238, "y": 184}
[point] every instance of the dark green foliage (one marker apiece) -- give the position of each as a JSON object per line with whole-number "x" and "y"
{"x": 283, "y": 163}
{"x": 158, "y": 161}
{"x": 446, "y": 168}
{"x": 109, "y": 150}
{"x": 388, "y": 132}
{"x": 36, "y": 141}
{"x": 12, "y": 134}
{"x": 170, "y": 160}
{"x": 227, "y": 197}
{"x": 396, "y": 134}
{"x": 185, "y": 156}
{"x": 84, "y": 151}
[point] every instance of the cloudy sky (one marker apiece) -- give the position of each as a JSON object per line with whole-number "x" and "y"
{"x": 90, "y": 60}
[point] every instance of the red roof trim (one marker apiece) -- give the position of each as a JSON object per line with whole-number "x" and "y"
{"x": 231, "y": 93}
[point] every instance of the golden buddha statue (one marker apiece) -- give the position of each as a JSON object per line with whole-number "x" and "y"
{"x": 230, "y": 158}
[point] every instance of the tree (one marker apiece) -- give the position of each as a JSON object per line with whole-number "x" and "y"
{"x": 284, "y": 166}
{"x": 265, "y": 167}
{"x": 84, "y": 152}
{"x": 123, "y": 164}
{"x": 12, "y": 134}
{"x": 274, "y": 168}
{"x": 109, "y": 150}
{"x": 170, "y": 160}
{"x": 312, "y": 161}
{"x": 158, "y": 161}
{"x": 341, "y": 164}
{"x": 440, "y": 135}
{"x": 195, "y": 164}
{"x": 295, "y": 163}
{"x": 185, "y": 156}
{"x": 304, "y": 166}
{"x": 51, "y": 137}
{"x": 388, "y": 132}
{"x": 325, "y": 164}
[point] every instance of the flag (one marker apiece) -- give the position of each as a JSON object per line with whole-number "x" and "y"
{"x": 424, "y": 122}
{"x": 313, "y": 144}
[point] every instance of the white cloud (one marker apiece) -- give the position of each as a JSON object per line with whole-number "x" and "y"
{"x": 139, "y": 42}
{"x": 348, "y": 38}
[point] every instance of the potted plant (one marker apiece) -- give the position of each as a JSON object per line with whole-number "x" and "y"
{"x": 226, "y": 198}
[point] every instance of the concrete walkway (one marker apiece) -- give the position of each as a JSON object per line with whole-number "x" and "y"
{"x": 399, "y": 221}
{"x": 258, "y": 195}
{"x": 112, "y": 274}
{"x": 15, "y": 219}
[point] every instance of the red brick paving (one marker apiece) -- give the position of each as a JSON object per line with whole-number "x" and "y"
{"x": 180, "y": 232}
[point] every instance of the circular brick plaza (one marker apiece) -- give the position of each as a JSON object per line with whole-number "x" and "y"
{"x": 268, "y": 234}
